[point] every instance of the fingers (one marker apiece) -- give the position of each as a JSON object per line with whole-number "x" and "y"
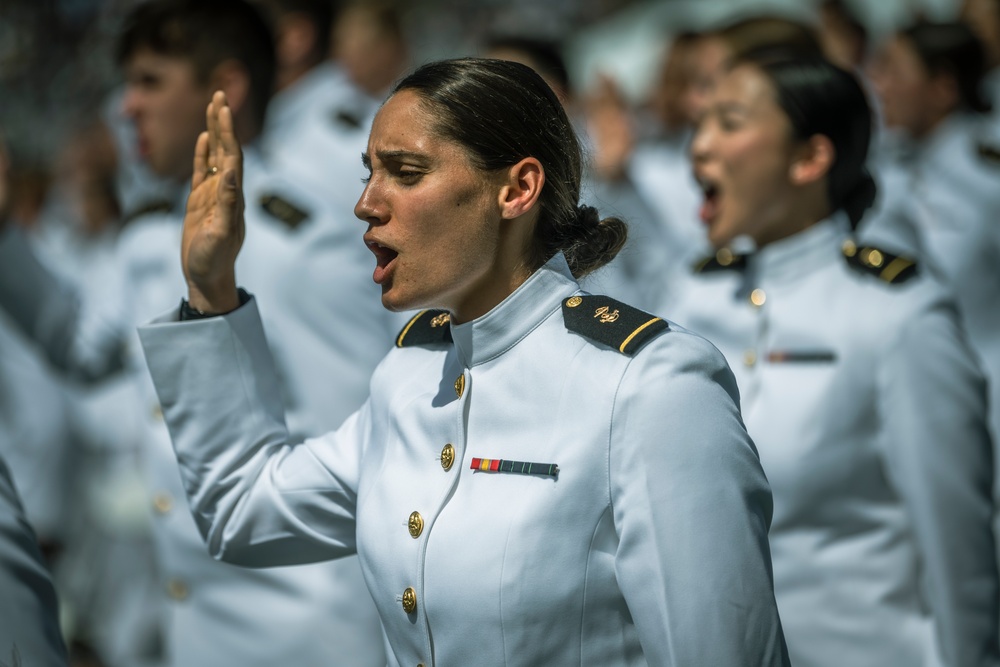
{"x": 200, "y": 168}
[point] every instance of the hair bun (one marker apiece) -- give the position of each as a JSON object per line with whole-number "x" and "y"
{"x": 588, "y": 216}
{"x": 860, "y": 198}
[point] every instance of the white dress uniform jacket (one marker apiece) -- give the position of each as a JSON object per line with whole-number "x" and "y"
{"x": 29, "y": 625}
{"x": 869, "y": 412}
{"x": 299, "y": 256}
{"x": 647, "y": 546}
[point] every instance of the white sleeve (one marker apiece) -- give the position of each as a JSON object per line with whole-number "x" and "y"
{"x": 692, "y": 509}
{"x": 258, "y": 500}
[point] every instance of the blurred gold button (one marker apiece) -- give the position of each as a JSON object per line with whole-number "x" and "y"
{"x": 177, "y": 589}
{"x": 850, "y": 248}
{"x": 415, "y": 525}
{"x": 460, "y": 385}
{"x": 447, "y": 457}
{"x": 757, "y": 297}
{"x": 875, "y": 258}
{"x": 724, "y": 257}
{"x": 409, "y": 600}
{"x": 157, "y": 412}
{"x": 750, "y": 357}
{"x": 163, "y": 502}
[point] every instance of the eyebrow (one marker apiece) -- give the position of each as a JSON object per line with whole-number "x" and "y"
{"x": 393, "y": 156}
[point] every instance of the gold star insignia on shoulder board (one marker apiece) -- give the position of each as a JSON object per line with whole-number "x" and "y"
{"x": 893, "y": 269}
{"x": 610, "y": 322}
{"x": 285, "y": 211}
{"x": 426, "y": 328}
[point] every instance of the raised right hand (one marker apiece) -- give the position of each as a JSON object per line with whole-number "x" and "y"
{"x": 213, "y": 221}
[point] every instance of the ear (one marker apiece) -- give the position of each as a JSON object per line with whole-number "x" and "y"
{"x": 521, "y": 188}
{"x": 232, "y": 78}
{"x": 813, "y": 160}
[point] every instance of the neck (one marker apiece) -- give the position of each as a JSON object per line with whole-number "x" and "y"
{"x": 808, "y": 208}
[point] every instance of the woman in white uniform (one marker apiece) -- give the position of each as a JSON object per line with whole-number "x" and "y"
{"x": 540, "y": 476}
{"x": 857, "y": 382}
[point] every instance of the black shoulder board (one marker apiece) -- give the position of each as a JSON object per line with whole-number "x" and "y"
{"x": 611, "y": 322}
{"x": 877, "y": 262}
{"x": 147, "y": 208}
{"x": 725, "y": 259}
{"x": 990, "y": 153}
{"x": 426, "y": 328}
{"x": 283, "y": 210}
{"x": 347, "y": 119}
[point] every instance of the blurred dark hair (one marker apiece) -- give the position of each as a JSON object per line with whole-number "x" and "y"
{"x": 544, "y": 56}
{"x": 206, "y": 33}
{"x": 502, "y": 112}
{"x": 765, "y": 32}
{"x": 954, "y": 50}
{"x": 848, "y": 20}
{"x": 820, "y": 98}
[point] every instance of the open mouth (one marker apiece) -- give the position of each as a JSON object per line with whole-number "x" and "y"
{"x": 384, "y": 258}
{"x": 711, "y": 194}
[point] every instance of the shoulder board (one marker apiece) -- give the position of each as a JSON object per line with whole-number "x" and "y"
{"x": 148, "y": 208}
{"x": 990, "y": 153}
{"x": 611, "y": 322}
{"x": 724, "y": 259}
{"x": 346, "y": 118}
{"x": 426, "y": 328}
{"x": 282, "y": 209}
{"x": 891, "y": 268}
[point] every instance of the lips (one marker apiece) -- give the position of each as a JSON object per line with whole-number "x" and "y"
{"x": 384, "y": 260}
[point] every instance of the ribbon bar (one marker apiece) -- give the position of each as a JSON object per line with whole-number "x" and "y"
{"x": 521, "y": 467}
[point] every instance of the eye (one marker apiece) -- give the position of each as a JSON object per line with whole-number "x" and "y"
{"x": 409, "y": 176}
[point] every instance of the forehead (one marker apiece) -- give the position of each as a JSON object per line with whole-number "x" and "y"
{"x": 146, "y": 61}
{"x": 406, "y": 123}
{"x": 747, "y": 87}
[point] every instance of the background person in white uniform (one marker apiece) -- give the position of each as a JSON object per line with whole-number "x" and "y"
{"x": 858, "y": 385}
{"x": 625, "y": 519}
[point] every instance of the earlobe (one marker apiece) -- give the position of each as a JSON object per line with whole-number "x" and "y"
{"x": 814, "y": 161}
{"x": 521, "y": 188}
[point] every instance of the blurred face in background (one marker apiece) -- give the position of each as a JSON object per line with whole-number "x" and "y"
{"x": 743, "y": 153}
{"x": 912, "y": 99}
{"x": 166, "y": 102}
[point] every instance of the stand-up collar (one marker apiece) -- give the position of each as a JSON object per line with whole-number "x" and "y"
{"x": 497, "y": 331}
{"x": 800, "y": 253}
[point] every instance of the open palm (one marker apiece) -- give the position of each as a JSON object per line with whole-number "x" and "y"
{"x": 213, "y": 221}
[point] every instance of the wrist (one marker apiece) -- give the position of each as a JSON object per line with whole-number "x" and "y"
{"x": 220, "y": 299}
{"x": 190, "y": 312}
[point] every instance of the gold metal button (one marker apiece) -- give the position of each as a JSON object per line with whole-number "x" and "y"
{"x": 750, "y": 357}
{"x": 724, "y": 257}
{"x": 157, "y": 412}
{"x": 850, "y": 248}
{"x": 757, "y": 297}
{"x": 409, "y": 600}
{"x": 875, "y": 258}
{"x": 447, "y": 457}
{"x": 415, "y": 524}
{"x": 163, "y": 502}
{"x": 573, "y": 301}
{"x": 460, "y": 385}
{"x": 177, "y": 589}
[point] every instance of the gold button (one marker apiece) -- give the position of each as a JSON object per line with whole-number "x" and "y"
{"x": 757, "y": 297}
{"x": 447, "y": 457}
{"x": 724, "y": 257}
{"x": 157, "y": 412}
{"x": 163, "y": 502}
{"x": 574, "y": 301}
{"x": 177, "y": 589}
{"x": 409, "y": 600}
{"x": 750, "y": 357}
{"x": 850, "y": 248}
{"x": 875, "y": 258}
{"x": 460, "y": 385}
{"x": 415, "y": 524}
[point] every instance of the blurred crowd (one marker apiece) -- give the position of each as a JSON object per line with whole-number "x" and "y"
{"x": 98, "y": 125}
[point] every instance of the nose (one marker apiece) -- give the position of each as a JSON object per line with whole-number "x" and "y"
{"x": 701, "y": 142}
{"x": 371, "y": 207}
{"x": 130, "y": 103}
